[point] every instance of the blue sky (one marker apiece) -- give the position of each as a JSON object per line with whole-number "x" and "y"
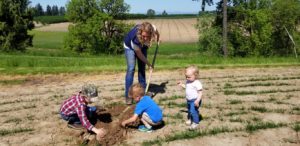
{"x": 141, "y": 6}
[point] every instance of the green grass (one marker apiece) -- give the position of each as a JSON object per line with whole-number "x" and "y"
{"x": 48, "y": 56}
{"x": 4, "y": 132}
{"x": 48, "y": 39}
{"x": 175, "y": 116}
{"x": 13, "y": 120}
{"x": 188, "y": 135}
{"x": 161, "y": 100}
{"x": 259, "y": 109}
{"x": 231, "y": 92}
{"x": 50, "y": 19}
{"x": 236, "y": 119}
{"x": 251, "y": 127}
{"x": 12, "y": 82}
{"x": 296, "y": 126}
{"x": 236, "y": 113}
{"x": 234, "y": 101}
{"x": 227, "y": 85}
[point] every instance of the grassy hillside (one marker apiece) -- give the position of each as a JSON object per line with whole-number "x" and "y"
{"x": 48, "y": 56}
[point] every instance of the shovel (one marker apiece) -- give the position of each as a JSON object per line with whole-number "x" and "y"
{"x": 153, "y": 61}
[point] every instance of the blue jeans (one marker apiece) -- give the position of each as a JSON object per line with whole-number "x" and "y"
{"x": 131, "y": 59}
{"x": 74, "y": 119}
{"x": 193, "y": 111}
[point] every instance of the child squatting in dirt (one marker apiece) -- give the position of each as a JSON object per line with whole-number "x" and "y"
{"x": 146, "y": 109}
{"x": 193, "y": 91}
{"x": 78, "y": 114}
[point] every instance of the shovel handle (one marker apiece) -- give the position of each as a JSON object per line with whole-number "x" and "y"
{"x": 148, "y": 83}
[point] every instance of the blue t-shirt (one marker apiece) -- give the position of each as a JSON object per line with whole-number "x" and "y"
{"x": 147, "y": 104}
{"x": 131, "y": 36}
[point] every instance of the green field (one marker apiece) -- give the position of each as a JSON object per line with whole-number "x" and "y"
{"x": 48, "y": 56}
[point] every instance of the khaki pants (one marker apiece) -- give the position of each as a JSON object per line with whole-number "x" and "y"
{"x": 147, "y": 121}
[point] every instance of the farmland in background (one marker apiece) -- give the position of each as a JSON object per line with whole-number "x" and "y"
{"x": 171, "y": 30}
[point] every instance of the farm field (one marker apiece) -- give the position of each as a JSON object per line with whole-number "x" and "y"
{"x": 171, "y": 30}
{"x": 241, "y": 106}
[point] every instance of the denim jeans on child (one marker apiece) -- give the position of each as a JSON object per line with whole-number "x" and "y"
{"x": 193, "y": 111}
{"x": 131, "y": 59}
{"x": 74, "y": 119}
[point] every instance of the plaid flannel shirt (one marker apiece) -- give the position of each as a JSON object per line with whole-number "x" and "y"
{"x": 77, "y": 105}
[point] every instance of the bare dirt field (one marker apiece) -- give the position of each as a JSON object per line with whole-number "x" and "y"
{"x": 241, "y": 106}
{"x": 171, "y": 30}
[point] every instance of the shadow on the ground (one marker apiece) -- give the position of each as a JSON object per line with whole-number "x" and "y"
{"x": 155, "y": 88}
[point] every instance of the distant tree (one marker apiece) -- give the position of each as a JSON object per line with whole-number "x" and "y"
{"x": 150, "y": 13}
{"x": 62, "y": 11}
{"x": 114, "y": 8}
{"x": 39, "y": 10}
{"x": 204, "y": 2}
{"x": 55, "y": 11}
{"x": 48, "y": 10}
{"x": 164, "y": 13}
{"x": 78, "y": 11}
{"x": 225, "y": 51}
{"x": 15, "y": 21}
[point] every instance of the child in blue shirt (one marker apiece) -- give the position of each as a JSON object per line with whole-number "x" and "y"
{"x": 146, "y": 109}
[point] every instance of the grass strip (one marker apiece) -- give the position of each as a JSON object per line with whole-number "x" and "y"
{"x": 4, "y": 132}
{"x": 250, "y": 127}
{"x": 231, "y": 92}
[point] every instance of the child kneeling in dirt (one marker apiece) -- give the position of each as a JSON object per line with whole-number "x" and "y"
{"x": 146, "y": 109}
{"x": 193, "y": 90}
{"x": 78, "y": 114}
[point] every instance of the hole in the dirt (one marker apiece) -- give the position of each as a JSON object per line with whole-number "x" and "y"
{"x": 104, "y": 117}
{"x": 110, "y": 119}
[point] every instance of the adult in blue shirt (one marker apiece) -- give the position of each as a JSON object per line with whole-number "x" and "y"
{"x": 136, "y": 44}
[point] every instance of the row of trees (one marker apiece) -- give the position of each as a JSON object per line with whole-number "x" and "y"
{"x": 254, "y": 28}
{"x": 151, "y": 13}
{"x": 50, "y": 11}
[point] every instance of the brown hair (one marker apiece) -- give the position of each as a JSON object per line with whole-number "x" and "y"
{"x": 145, "y": 27}
{"x": 136, "y": 90}
{"x": 195, "y": 70}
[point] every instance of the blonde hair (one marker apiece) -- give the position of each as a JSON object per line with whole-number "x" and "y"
{"x": 136, "y": 90}
{"x": 194, "y": 69}
{"x": 145, "y": 27}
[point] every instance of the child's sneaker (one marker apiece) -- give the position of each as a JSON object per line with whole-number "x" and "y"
{"x": 188, "y": 122}
{"x": 143, "y": 128}
{"x": 193, "y": 126}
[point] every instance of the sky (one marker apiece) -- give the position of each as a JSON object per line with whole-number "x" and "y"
{"x": 141, "y": 6}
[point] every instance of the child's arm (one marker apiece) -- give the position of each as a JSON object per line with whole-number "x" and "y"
{"x": 198, "y": 98}
{"x": 130, "y": 120}
{"x": 179, "y": 83}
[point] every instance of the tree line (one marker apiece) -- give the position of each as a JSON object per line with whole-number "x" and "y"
{"x": 49, "y": 11}
{"x": 254, "y": 27}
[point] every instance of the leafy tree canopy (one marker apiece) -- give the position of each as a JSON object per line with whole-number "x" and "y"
{"x": 15, "y": 20}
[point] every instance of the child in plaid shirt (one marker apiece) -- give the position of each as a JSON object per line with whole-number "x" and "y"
{"x": 78, "y": 114}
